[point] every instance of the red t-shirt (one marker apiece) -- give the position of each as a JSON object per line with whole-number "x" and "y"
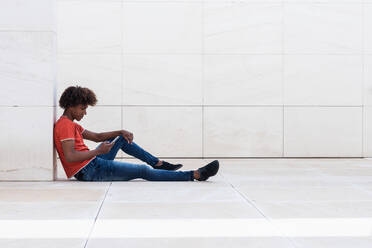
{"x": 65, "y": 129}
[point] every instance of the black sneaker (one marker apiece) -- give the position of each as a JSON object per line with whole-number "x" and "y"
{"x": 209, "y": 170}
{"x": 168, "y": 166}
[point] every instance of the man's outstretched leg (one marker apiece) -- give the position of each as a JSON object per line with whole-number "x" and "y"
{"x": 112, "y": 170}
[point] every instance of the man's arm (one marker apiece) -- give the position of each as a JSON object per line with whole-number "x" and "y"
{"x": 108, "y": 135}
{"x": 72, "y": 155}
{"x": 99, "y": 137}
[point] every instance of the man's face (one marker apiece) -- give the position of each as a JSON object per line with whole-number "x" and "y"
{"x": 79, "y": 111}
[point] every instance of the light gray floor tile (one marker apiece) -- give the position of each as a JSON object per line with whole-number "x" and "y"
{"x": 332, "y": 242}
{"x": 304, "y": 194}
{"x": 173, "y": 192}
{"x": 340, "y": 209}
{"x": 42, "y": 243}
{"x": 49, "y": 194}
{"x": 174, "y": 210}
{"x": 200, "y": 242}
{"x": 48, "y": 210}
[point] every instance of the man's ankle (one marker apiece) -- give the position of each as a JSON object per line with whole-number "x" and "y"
{"x": 196, "y": 174}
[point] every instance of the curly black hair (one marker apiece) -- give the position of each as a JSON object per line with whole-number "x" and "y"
{"x": 75, "y": 95}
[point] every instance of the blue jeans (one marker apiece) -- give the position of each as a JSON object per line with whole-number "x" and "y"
{"x": 105, "y": 168}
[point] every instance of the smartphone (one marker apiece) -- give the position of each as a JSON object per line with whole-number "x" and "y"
{"x": 115, "y": 139}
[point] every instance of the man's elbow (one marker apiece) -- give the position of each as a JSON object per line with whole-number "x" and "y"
{"x": 69, "y": 159}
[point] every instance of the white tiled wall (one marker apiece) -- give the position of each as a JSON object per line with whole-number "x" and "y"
{"x": 323, "y": 28}
{"x": 27, "y": 68}
{"x": 166, "y": 131}
{"x": 367, "y": 131}
{"x": 323, "y": 132}
{"x": 323, "y": 80}
{"x": 367, "y": 32}
{"x": 166, "y": 79}
{"x": 89, "y": 27}
{"x": 220, "y": 78}
{"x": 25, "y": 15}
{"x": 162, "y": 27}
{"x": 243, "y": 131}
{"x": 27, "y": 95}
{"x": 242, "y": 79}
{"x": 27, "y": 143}
{"x": 242, "y": 27}
{"x": 101, "y": 72}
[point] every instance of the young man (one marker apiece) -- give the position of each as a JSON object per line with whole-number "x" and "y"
{"x": 99, "y": 164}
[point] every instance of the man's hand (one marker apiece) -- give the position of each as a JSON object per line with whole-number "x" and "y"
{"x": 105, "y": 147}
{"x": 127, "y": 135}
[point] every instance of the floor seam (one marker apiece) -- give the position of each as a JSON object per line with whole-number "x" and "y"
{"x": 98, "y": 212}
{"x": 289, "y": 239}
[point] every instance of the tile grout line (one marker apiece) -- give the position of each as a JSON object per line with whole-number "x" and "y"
{"x": 122, "y": 64}
{"x": 282, "y": 77}
{"x": 289, "y": 239}
{"x": 122, "y": 86}
{"x": 95, "y": 219}
{"x": 245, "y": 198}
{"x": 198, "y": 106}
{"x": 214, "y": 54}
{"x": 363, "y": 78}
{"x": 257, "y": 158}
{"x": 203, "y": 76}
{"x": 55, "y": 90}
{"x": 210, "y": 106}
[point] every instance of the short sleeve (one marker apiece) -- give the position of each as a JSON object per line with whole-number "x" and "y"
{"x": 80, "y": 128}
{"x": 66, "y": 132}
